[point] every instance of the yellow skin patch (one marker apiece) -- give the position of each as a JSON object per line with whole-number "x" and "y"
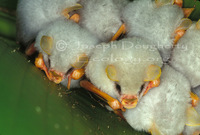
{"x": 46, "y": 43}
{"x": 152, "y": 84}
{"x": 81, "y": 61}
{"x": 187, "y": 12}
{"x": 66, "y": 11}
{"x": 160, "y": 3}
{"x": 129, "y": 103}
{"x": 75, "y": 18}
{"x": 52, "y": 75}
{"x": 193, "y": 118}
{"x": 178, "y": 2}
{"x": 75, "y": 75}
{"x": 153, "y": 72}
{"x": 180, "y": 31}
{"x": 195, "y": 99}
{"x": 154, "y": 130}
{"x": 185, "y": 24}
{"x": 198, "y": 25}
{"x": 112, "y": 73}
{"x": 39, "y": 63}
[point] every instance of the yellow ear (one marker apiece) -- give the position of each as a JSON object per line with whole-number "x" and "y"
{"x": 198, "y": 25}
{"x": 154, "y": 130}
{"x": 46, "y": 43}
{"x": 193, "y": 118}
{"x": 187, "y": 11}
{"x": 112, "y": 73}
{"x": 185, "y": 24}
{"x": 81, "y": 61}
{"x": 66, "y": 11}
{"x": 163, "y": 2}
{"x": 153, "y": 72}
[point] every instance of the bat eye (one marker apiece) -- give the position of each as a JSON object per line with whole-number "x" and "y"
{"x": 153, "y": 72}
{"x": 46, "y": 43}
{"x": 141, "y": 89}
{"x": 81, "y": 61}
{"x": 118, "y": 88}
{"x": 69, "y": 71}
{"x": 112, "y": 73}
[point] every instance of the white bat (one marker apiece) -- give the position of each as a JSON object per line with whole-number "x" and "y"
{"x": 64, "y": 49}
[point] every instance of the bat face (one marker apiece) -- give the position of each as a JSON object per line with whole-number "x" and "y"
{"x": 65, "y": 48}
{"x": 171, "y": 96}
{"x": 123, "y": 69}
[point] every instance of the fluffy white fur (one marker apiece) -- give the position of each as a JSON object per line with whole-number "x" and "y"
{"x": 33, "y": 15}
{"x": 121, "y": 3}
{"x": 144, "y": 19}
{"x": 189, "y": 130}
{"x": 101, "y": 17}
{"x": 69, "y": 42}
{"x": 165, "y": 106}
{"x": 130, "y": 57}
{"x": 186, "y": 56}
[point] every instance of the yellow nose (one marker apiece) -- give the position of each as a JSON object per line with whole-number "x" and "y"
{"x": 129, "y": 102}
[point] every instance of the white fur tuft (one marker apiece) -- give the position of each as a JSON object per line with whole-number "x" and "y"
{"x": 34, "y": 15}
{"x": 143, "y": 19}
{"x": 101, "y": 17}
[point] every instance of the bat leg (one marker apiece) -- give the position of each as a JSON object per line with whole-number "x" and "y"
{"x": 75, "y": 18}
{"x": 75, "y": 75}
{"x": 113, "y": 103}
{"x": 178, "y": 2}
{"x": 66, "y": 11}
{"x": 180, "y": 31}
{"x": 39, "y": 63}
{"x": 120, "y": 32}
{"x": 151, "y": 85}
{"x": 119, "y": 113}
{"x": 187, "y": 12}
{"x": 195, "y": 99}
{"x": 52, "y": 75}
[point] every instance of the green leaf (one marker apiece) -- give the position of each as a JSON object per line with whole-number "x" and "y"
{"x": 31, "y": 105}
{"x": 195, "y": 16}
{"x": 9, "y": 4}
{"x": 7, "y": 26}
